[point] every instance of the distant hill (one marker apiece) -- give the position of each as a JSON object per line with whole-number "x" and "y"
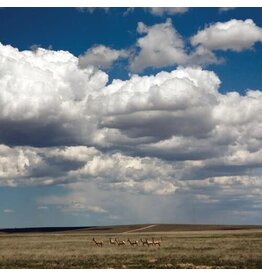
{"x": 132, "y": 228}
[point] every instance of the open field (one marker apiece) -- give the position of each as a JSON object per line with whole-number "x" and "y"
{"x": 182, "y": 246}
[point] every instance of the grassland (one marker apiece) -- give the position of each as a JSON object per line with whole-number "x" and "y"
{"x": 208, "y": 248}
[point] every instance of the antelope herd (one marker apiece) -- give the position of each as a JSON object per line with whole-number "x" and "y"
{"x": 116, "y": 241}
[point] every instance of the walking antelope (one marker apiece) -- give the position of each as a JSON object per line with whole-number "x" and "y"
{"x": 149, "y": 242}
{"x": 120, "y": 242}
{"x": 144, "y": 242}
{"x": 98, "y": 243}
{"x": 111, "y": 241}
{"x": 156, "y": 242}
{"x": 132, "y": 242}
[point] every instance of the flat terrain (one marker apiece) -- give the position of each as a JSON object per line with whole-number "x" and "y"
{"x": 182, "y": 246}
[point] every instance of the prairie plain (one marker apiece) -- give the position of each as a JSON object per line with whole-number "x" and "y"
{"x": 182, "y": 246}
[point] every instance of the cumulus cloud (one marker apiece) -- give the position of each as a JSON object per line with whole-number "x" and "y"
{"x": 163, "y": 46}
{"x": 43, "y": 95}
{"x": 203, "y": 57}
{"x": 155, "y": 134}
{"x": 101, "y": 56}
{"x": 161, "y": 11}
{"x": 71, "y": 164}
{"x": 236, "y": 35}
{"x": 47, "y": 100}
{"x": 177, "y": 103}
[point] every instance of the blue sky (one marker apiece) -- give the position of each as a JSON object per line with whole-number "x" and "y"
{"x": 119, "y": 115}
{"x": 75, "y": 31}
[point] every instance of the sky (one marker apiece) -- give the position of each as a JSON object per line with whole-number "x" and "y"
{"x": 130, "y": 115}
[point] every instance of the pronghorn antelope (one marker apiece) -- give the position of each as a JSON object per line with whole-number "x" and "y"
{"x": 132, "y": 242}
{"x": 111, "y": 241}
{"x": 144, "y": 242}
{"x": 98, "y": 243}
{"x": 156, "y": 242}
{"x": 120, "y": 242}
{"x": 149, "y": 242}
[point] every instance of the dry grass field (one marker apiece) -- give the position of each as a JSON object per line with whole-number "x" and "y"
{"x": 213, "y": 247}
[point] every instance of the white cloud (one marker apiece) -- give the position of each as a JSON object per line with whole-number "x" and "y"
{"x": 101, "y": 56}
{"x": 92, "y": 9}
{"x": 146, "y": 135}
{"x": 46, "y": 100}
{"x": 128, "y": 11}
{"x": 163, "y": 46}
{"x": 222, "y": 195}
{"x": 203, "y": 56}
{"x": 42, "y": 208}
{"x": 161, "y": 11}
{"x": 236, "y": 35}
{"x": 225, "y": 9}
{"x": 158, "y": 107}
{"x": 72, "y": 164}
{"x": 8, "y": 211}
{"x": 45, "y": 93}
{"x": 14, "y": 163}
{"x": 96, "y": 209}
{"x": 75, "y": 202}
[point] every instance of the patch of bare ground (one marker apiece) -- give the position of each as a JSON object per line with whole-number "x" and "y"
{"x": 190, "y": 266}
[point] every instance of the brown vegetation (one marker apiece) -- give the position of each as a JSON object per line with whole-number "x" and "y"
{"x": 194, "y": 249}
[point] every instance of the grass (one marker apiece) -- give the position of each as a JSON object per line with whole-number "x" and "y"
{"x": 191, "y": 249}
